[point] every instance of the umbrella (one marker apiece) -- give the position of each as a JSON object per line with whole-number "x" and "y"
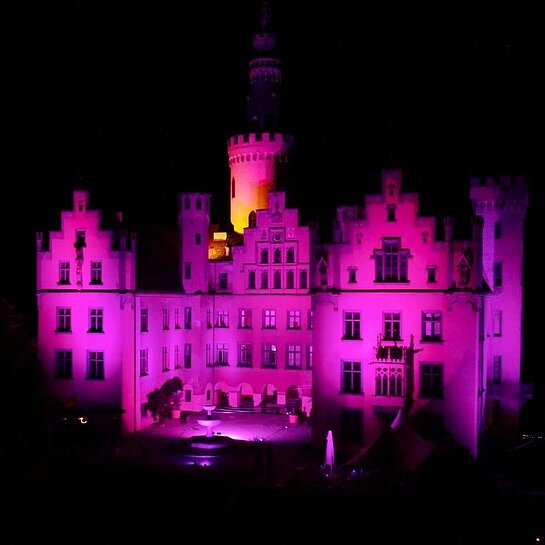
{"x": 329, "y": 452}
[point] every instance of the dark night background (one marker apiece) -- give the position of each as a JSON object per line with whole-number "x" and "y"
{"x": 135, "y": 102}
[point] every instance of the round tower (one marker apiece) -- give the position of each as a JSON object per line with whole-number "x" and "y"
{"x": 257, "y": 157}
{"x": 193, "y": 223}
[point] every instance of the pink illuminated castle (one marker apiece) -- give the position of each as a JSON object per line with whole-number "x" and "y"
{"x": 386, "y": 316}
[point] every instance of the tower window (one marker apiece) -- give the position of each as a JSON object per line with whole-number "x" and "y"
{"x": 198, "y": 203}
{"x": 252, "y": 219}
{"x": 496, "y": 371}
{"x": 187, "y": 202}
{"x": 391, "y": 212}
{"x": 498, "y": 319}
{"x": 497, "y": 230}
{"x": 232, "y": 188}
{"x": 187, "y": 271}
{"x": 198, "y": 239}
{"x": 432, "y": 275}
{"x": 498, "y": 275}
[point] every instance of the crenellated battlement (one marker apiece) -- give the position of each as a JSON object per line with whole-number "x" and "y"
{"x": 194, "y": 202}
{"x": 259, "y": 138}
{"x": 503, "y": 194}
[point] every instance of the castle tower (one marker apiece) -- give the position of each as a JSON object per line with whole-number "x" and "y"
{"x": 257, "y": 157}
{"x": 193, "y": 222}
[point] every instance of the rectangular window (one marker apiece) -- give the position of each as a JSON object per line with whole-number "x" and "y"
{"x": 269, "y": 355}
{"x": 64, "y": 319}
{"x": 187, "y": 270}
{"x": 351, "y": 325}
{"x": 208, "y": 355}
{"x": 497, "y": 230}
{"x": 352, "y": 272}
{"x": 310, "y": 318}
{"x": 63, "y": 364}
{"x": 498, "y": 323}
{"x": 294, "y": 319}
{"x": 432, "y": 275}
{"x": 96, "y": 320}
{"x": 222, "y": 283}
{"x": 431, "y": 326}
{"x": 176, "y": 318}
{"x": 187, "y": 318}
{"x": 245, "y": 318}
{"x": 498, "y": 275}
{"x": 293, "y": 356}
{"x": 431, "y": 380}
{"x": 391, "y": 212}
{"x": 177, "y": 360}
{"x": 269, "y": 318}
{"x": 144, "y": 362}
{"x": 351, "y": 425}
{"x": 389, "y": 381}
{"x": 391, "y": 262}
{"x": 166, "y": 318}
{"x": 351, "y": 377}
{"x": 496, "y": 372}
{"x": 187, "y": 396}
{"x": 209, "y": 317}
{"x": 165, "y": 365}
{"x": 392, "y": 326}
{"x": 96, "y": 272}
{"x": 144, "y": 319}
{"x": 309, "y": 356}
{"x": 244, "y": 355}
{"x": 95, "y": 365}
{"x": 222, "y": 354}
{"x": 64, "y": 272}
{"x": 223, "y": 318}
{"x": 187, "y": 356}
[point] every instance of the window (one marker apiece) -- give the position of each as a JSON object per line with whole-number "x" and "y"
{"x": 391, "y": 212}
{"x": 277, "y": 280}
{"x": 64, "y": 272}
{"x": 497, "y": 230}
{"x": 264, "y": 255}
{"x": 391, "y": 262}
{"x": 392, "y": 326}
{"x": 498, "y": 319}
{"x": 496, "y": 371}
{"x": 177, "y": 363}
{"x": 290, "y": 280}
{"x": 223, "y": 318}
{"x": 251, "y": 280}
{"x": 176, "y": 318}
{"x": 187, "y": 396}
{"x": 187, "y": 356}
{"x": 351, "y": 377}
{"x": 143, "y": 319}
{"x": 96, "y": 320}
{"x": 233, "y": 188}
{"x": 187, "y": 270}
{"x": 63, "y": 364}
{"x": 187, "y": 318}
{"x": 143, "y": 362}
{"x": 198, "y": 203}
{"x": 293, "y": 356}
{"x": 165, "y": 365}
{"x": 352, "y": 275}
{"x": 389, "y": 381}
{"x": 245, "y": 318}
{"x": 96, "y": 272}
{"x": 264, "y": 280}
{"x": 432, "y": 275}
{"x": 252, "y": 219}
{"x": 269, "y": 318}
{"x": 197, "y": 239}
{"x": 431, "y": 380}
{"x": 222, "y": 284}
{"x": 209, "y": 317}
{"x": 222, "y": 354}
{"x": 303, "y": 280}
{"x": 187, "y": 203}
{"x": 290, "y": 255}
{"x": 95, "y": 365}
{"x": 277, "y": 255}
{"x": 269, "y": 355}
{"x": 351, "y": 425}
{"x": 498, "y": 275}
{"x": 294, "y": 319}
{"x": 309, "y": 356}
{"x": 80, "y": 237}
{"x": 310, "y": 318}
{"x": 64, "y": 319}
{"x": 208, "y": 356}
{"x": 431, "y": 326}
{"x": 166, "y": 319}
{"x": 351, "y": 325}
{"x": 244, "y": 355}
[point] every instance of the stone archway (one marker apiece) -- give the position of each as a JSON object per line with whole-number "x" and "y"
{"x": 221, "y": 396}
{"x": 246, "y": 399}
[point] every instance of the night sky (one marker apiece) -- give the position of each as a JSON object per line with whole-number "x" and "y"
{"x": 114, "y": 96}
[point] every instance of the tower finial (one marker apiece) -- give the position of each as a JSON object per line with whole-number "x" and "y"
{"x": 265, "y": 17}
{"x": 264, "y": 39}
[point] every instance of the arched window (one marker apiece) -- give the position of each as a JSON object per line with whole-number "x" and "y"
{"x": 303, "y": 280}
{"x": 252, "y": 219}
{"x": 264, "y": 256}
{"x": 264, "y": 280}
{"x": 290, "y": 280}
{"x": 277, "y": 281}
{"x": 199, "y": 203}
{"x": 233, "y": 188}
{"x": 277, "y": 255}
{"x": 251, "y": 280}
{"x": 197, "y": 238}
{"x": 290, "y": 255}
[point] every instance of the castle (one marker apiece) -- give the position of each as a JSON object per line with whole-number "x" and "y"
{"x": 387, "y": 315}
